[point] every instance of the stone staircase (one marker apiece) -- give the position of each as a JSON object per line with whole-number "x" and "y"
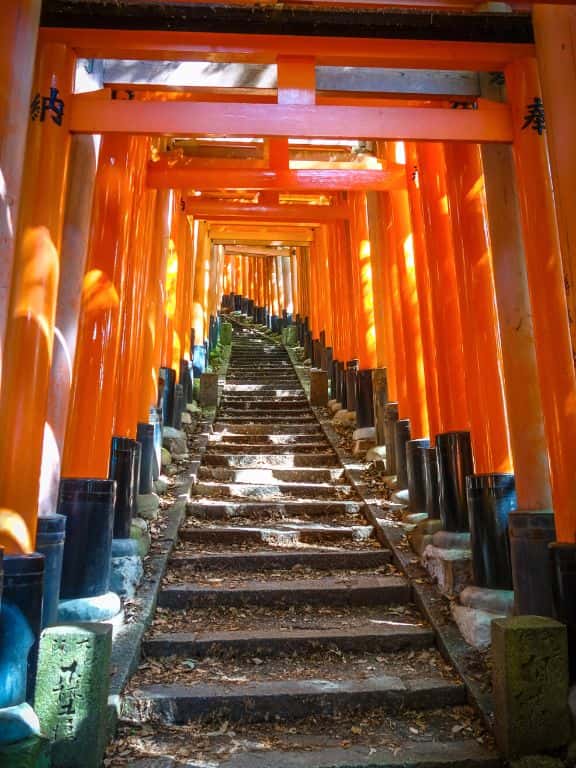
{"x": 284, "y": 636}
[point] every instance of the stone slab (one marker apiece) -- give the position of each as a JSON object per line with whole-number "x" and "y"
{"x": 288, "y": 699}
{"x": 141, "y": 535}
{"x": 359, "y": 590}
{"x": 499, "y": 601}
{"x": 376, "y": 453}
{"x": 208, "y": 396}
{"x": 383, "y": 639}
{"x": 530, "y": 682}
{"x": 364, "y": 433}
{"x": 475, "y": 625}
{"x": 90, "y": 609}
{"x": 18, "y": 723}
{"x": 126, "y": 574}
{"x": 334, "y": 407}
{"x": 148, "y": 505}
{"x": 452, "y": 568}
{"x": 166, "y": 457}
{"x": 72, "y": 692}
{"x": 318, "y": 388}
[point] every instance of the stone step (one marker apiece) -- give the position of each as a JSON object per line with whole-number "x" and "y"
{"x": 271, "y": 491}
{"x": 302, "y": 448}
{"x": 222, "y": 510}
{"x": 257, "y": 417}
{"x": 267, "y": 560}
{"x": 270, "y": 460}
{"x": 384, "y": 639}
{"x": 269, "y": 389}
{"x": 257, "y": 475}
{"x": 226, "y": 403}
{"x": 357, "y": 590}
{"x": 324, "y": 752}
{"x": 258, "y": 409}
{"x": 287, "y": 700}
{"x": 276, "y": 535}
{"x": 282, "y": 440}
{"x": 237, "y": 428}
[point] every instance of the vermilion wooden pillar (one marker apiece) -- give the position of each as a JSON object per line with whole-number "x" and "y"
{"x": 34, "y": 287}
{"x": 18, "y": 34}
{"x": 131, "y": 323}
{"x": 443, "y": 288}
{"x": 154, "y": 304}
{"x": 399, "y": 390}
{"x": 295, "y": 283}
{"x": 201, "y": 276}
{"x": 522, "y": 389}
{"x": 482, "y": 351}
{"x": 379, "y": 217}
{"x": 547, "y": 295}
{"x": 555, "y": 34}
{"x": 409, "y": 305}
{"x": 91, "y": 410}
{"x": 287, "y": 280}
{"x": 423, "y": 286}
{"x": 362, "y": 280}
{"x": 73, "y": 254}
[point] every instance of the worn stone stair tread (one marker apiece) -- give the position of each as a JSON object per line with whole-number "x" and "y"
{"x": 270, "y": 460}
{"x": 288, "y": 699}
{"x": 259, "y": 475}
{"x": 234, "y": 428}
{"x": 430, "y": 754}
{"x": 357, "y": 590}
{"x": 260, "y": 511}
{"x": 272, "y": 489}
{"x": 382, "y": 638}
{"x": 267, "y": 560}
{"x": 305, "y": 447}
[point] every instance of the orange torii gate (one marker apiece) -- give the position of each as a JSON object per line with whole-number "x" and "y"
{"x": 297, "y": 114}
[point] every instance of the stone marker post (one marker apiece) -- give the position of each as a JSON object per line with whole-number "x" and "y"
{"x": 530, "y": 678}
{"x": 318, "y": 387}
{"x": 209, "y": 390}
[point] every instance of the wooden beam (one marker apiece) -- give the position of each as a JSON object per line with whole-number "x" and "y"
{"x": 492, "y": 124}
{"x": 215, "y": 210}
{"x": 211, "y": 179}
{"x": 251, "y": 250}
{"x": 238, "y": 234}
{"x": 366, "y": 51}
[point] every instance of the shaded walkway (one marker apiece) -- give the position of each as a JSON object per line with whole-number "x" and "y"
{"x": 285, "y": 636}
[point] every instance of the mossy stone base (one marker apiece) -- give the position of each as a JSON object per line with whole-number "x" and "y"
{"x": 226, "y": 334}
{"x": 530, "y": 678}
{"x": 72, "y": 692}
{"x": 209, "y": 389}
{"x": 30, "y": 753}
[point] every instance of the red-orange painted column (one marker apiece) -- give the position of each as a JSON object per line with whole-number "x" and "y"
{"x": 423, "y": 286}
{"x": 362, "y": 280}
{"x": 324, "y": 284}
{"x": 443, "y": 288}
{"x": 91, "y": 410}
{"x": 399, "y": 389}
{"x": 201, "y": 278}
{"x": 409, "y": 304}
{"x": 522, "y": 388}
{"x": 73, "y": 254}
{"x": 246, "y": 275}
{"x": 555, "y": 35}
{"x": 379, "y": 218}
{"x": 33, "y": 293}
{"x": 295, "y": 284}
{"x": 131, "y": 323}
{"x": 547, "y": 294}
{"x": 154, "y": 309}
{"x": 482, "y": 350}
{"x": 18, "y": 34}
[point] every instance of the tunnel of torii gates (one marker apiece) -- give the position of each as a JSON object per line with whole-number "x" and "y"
{"x": 444, "y": 251}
